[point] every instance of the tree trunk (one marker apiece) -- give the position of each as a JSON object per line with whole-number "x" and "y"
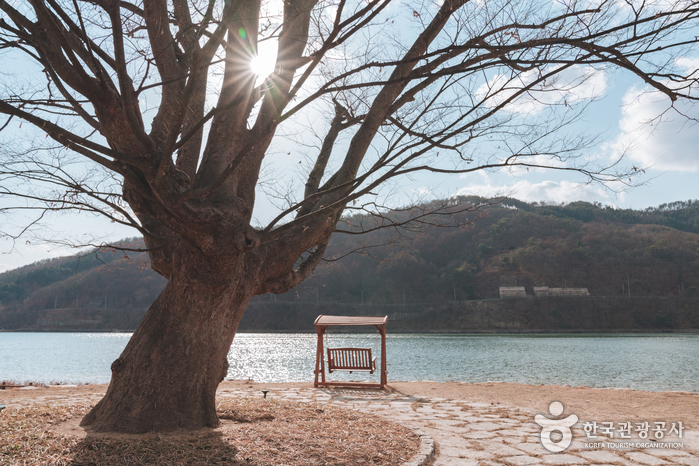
{"x": 167, "y": 376}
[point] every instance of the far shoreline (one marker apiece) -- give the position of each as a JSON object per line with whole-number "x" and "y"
{"x": 29, "y": 386}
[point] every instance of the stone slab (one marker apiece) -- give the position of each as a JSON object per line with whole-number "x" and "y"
{"x": 480, "y": 435}
{"x": 532, "y": 448}
{"x": 563, "y": 459}
{"x": 688, "y": 461}
{"x": 505, "y": 450}
{"x": 670, "y": 453}
{"x": 602, "y": 456}
{"x": 489, "y": 426}
{"x": 645, "y": 458}
{"x": 521, "y": 460}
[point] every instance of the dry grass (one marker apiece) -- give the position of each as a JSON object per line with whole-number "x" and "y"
{"x": 253, "y": 432}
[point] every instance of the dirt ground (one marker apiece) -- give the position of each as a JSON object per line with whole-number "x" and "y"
{"x": 586, "y": 402}
{"x": 41, "y": 426}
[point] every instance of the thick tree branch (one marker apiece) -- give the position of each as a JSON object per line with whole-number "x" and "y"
{"x": 289, "y": 280}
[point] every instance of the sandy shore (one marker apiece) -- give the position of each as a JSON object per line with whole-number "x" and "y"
{"x": 470, "y": 424}
{"x": 588, "y": 403}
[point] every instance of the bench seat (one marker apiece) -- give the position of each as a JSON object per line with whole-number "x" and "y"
{"x": 351, "y": 359}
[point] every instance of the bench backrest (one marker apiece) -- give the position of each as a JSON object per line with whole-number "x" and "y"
{"x": 350, "y": 359}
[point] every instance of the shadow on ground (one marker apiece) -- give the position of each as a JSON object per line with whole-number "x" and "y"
{"x": 206, "y": 449}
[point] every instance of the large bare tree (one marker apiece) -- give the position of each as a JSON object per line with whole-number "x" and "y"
{"x": 158, "y": 99}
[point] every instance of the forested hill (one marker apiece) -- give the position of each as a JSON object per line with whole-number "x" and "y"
{"x": 611, "y": 252}
{"x": 655, "y": 251}
{"x": 79, "y": 287}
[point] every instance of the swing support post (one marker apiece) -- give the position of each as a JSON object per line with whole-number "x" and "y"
{"x": 320, "y": 358}
{"x": 353, "y": 359}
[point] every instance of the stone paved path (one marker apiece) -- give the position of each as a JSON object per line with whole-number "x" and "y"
{"x": 469, "y": 434}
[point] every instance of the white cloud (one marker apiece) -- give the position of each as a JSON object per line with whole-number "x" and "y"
{"x": 656, "y": 135}
{"x": 22, "y": 253}
{"x": 550, "y": 191}
{"x": 421, "y": 191}
{"x": 569, "y": 87}
{"x": 688, "y": 63}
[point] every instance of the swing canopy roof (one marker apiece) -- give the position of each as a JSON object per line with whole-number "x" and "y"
{"x": 326, "y": 321}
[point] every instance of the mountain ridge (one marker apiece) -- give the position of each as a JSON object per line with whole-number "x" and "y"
{"x": 651, "y": 253}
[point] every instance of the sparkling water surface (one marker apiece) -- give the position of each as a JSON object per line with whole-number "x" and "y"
{"x": 654, "y": 362}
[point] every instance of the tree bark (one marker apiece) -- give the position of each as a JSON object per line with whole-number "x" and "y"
{"x": 167, "y": 376}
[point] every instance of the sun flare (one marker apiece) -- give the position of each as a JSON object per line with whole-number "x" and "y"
{"x": 263, "y": 64}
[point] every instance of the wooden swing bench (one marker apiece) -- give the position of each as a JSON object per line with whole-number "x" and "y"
{"x": 351, "y": 359}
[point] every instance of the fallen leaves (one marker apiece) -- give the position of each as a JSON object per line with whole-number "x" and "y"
{"x": 253, "y": 432}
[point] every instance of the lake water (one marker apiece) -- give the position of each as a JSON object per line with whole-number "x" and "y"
{"x": 654, "y": 362}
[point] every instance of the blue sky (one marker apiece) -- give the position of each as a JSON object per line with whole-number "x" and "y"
{"x": 630, "y": 118}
